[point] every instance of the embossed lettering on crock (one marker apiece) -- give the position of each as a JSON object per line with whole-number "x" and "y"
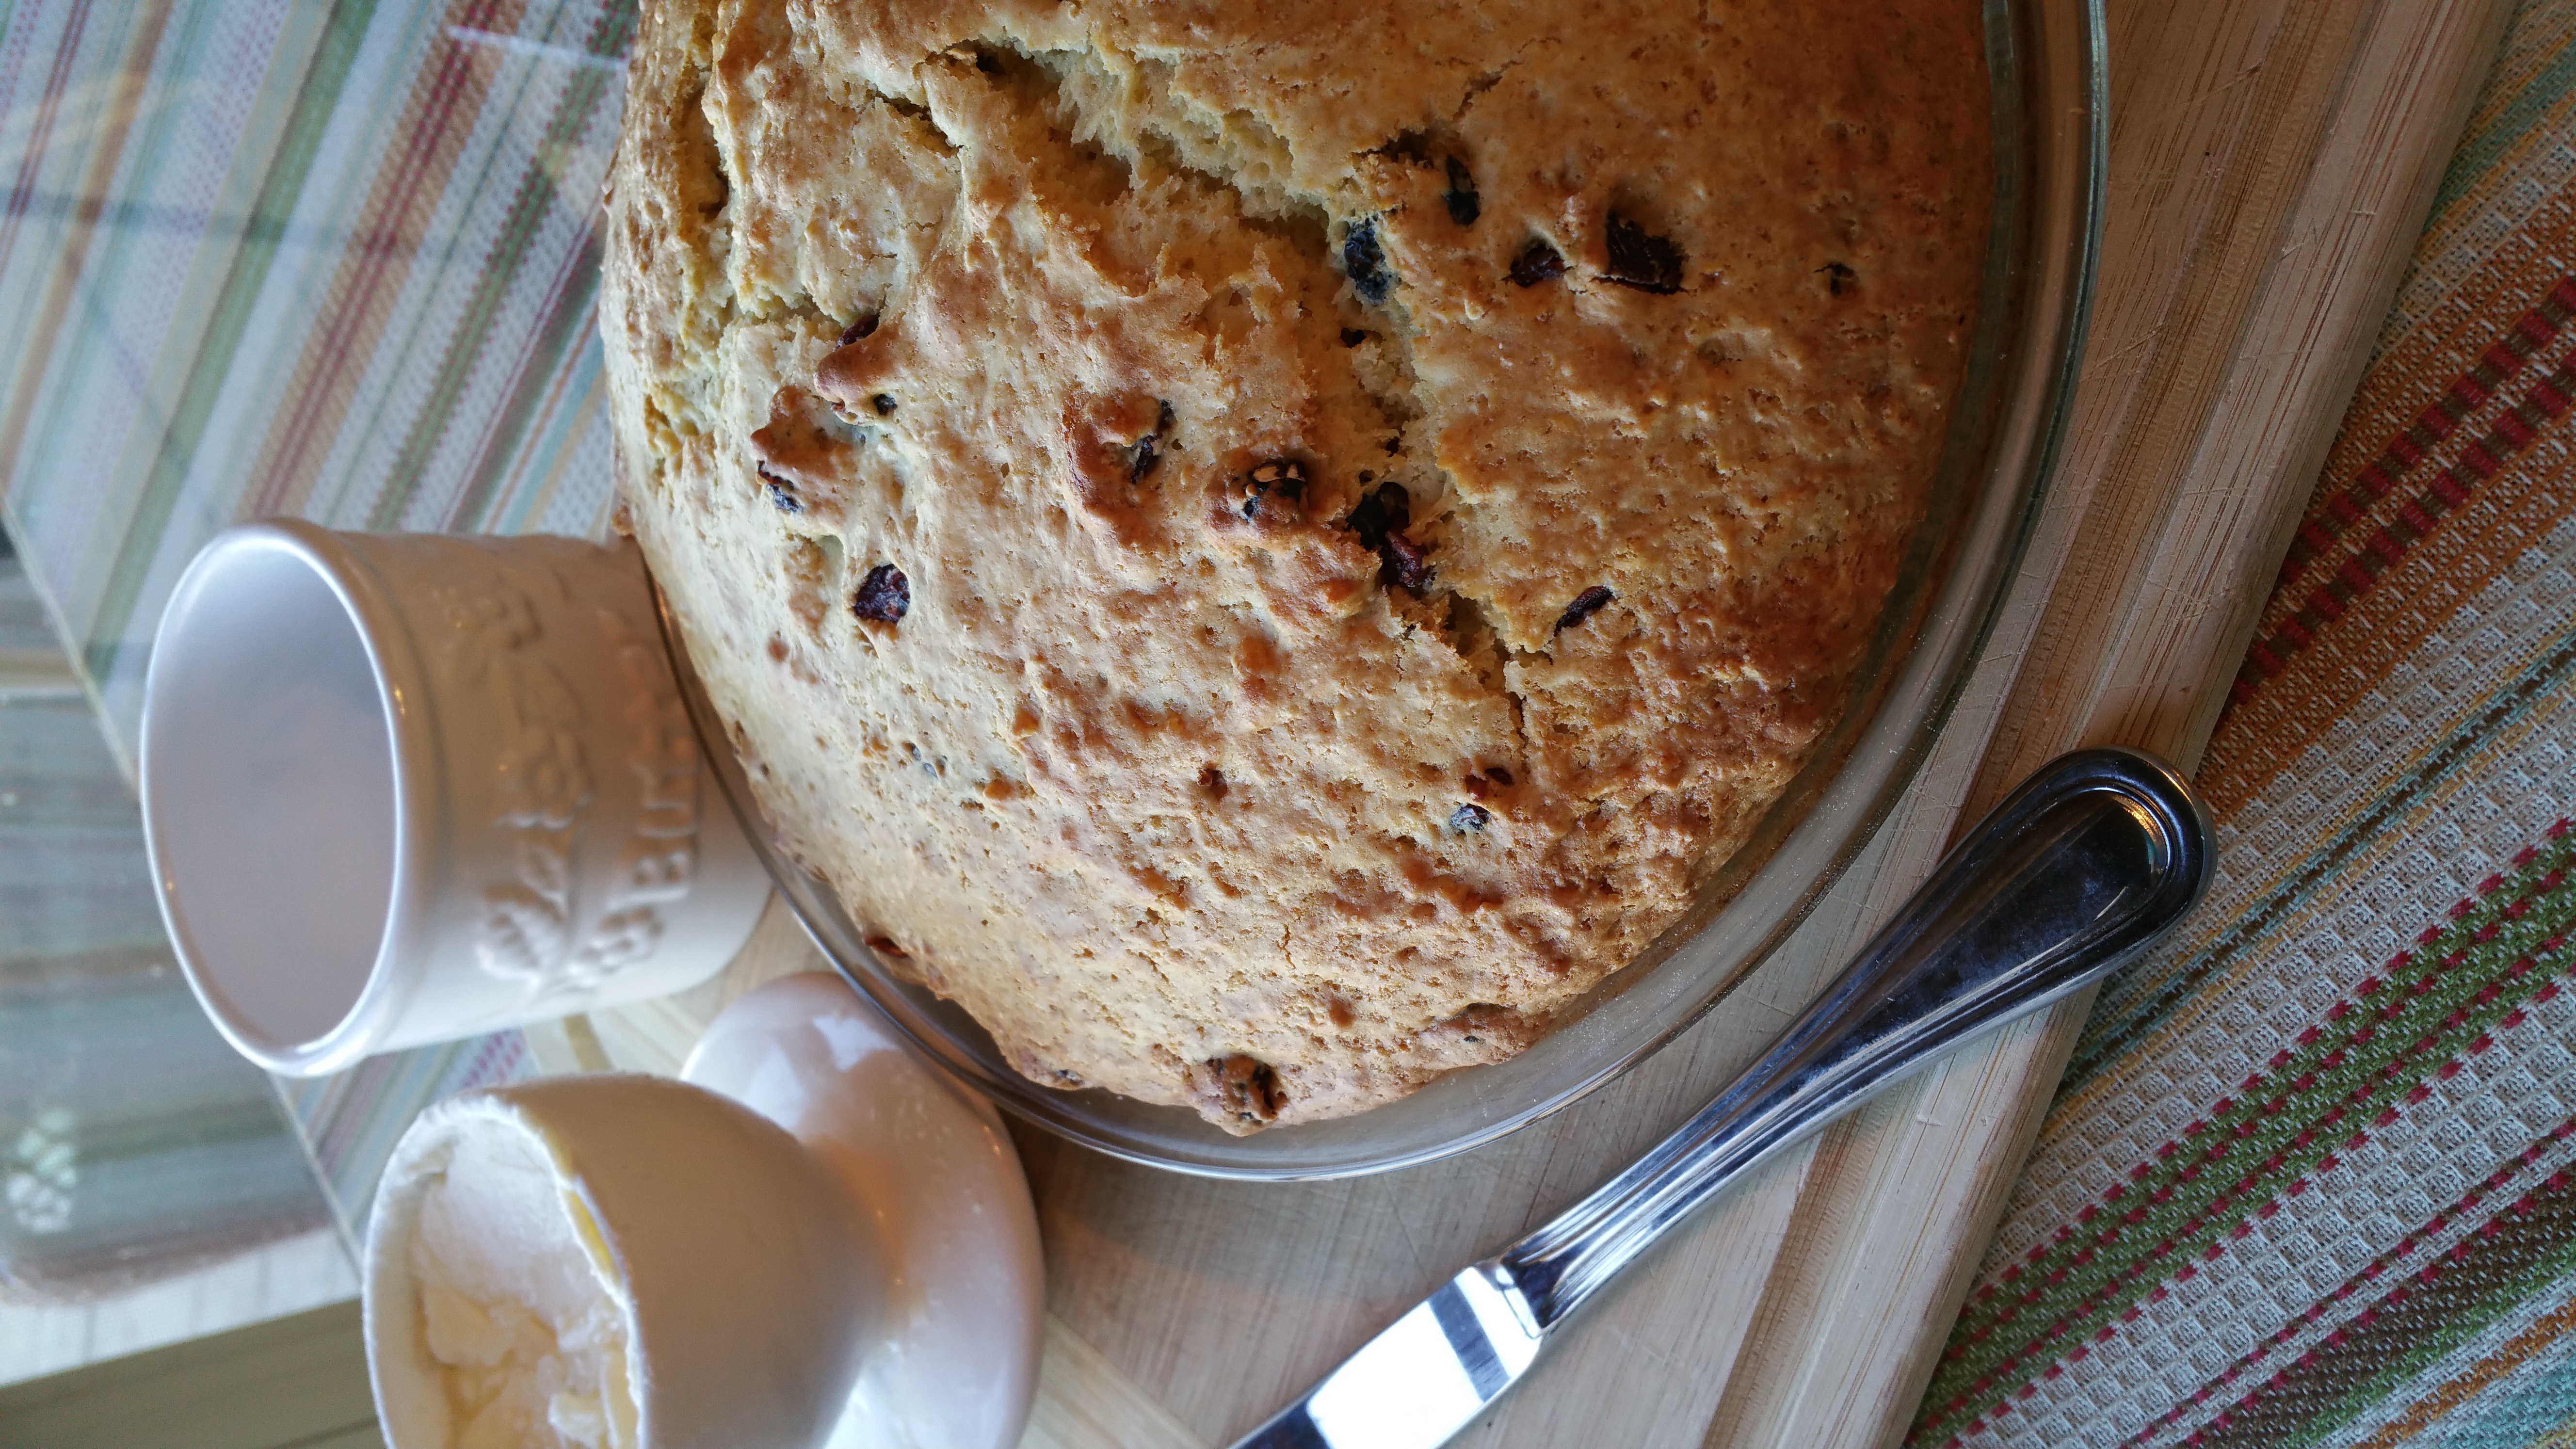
{"x": 660, "y": 859}
{"x": 542, "y": 783}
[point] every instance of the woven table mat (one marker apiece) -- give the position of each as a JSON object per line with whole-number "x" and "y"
{"x": 327, "y": 258}
{"x": 2311, "y": 1175}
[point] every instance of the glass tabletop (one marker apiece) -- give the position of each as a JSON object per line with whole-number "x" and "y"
{"x": 334, "y": 259}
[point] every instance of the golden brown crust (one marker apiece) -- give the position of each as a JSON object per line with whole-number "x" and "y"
{"x": 1008, "y": 397}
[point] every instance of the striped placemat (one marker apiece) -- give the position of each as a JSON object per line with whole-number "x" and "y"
{"x": 262, "y": 257}
{"x": 2311, "y": 1176}
{"x": 353, "y": 1118}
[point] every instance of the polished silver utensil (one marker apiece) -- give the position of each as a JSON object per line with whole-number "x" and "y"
{"x": 2087, "y": 862}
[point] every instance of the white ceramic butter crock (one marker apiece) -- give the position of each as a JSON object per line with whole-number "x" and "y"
{"x": 404, "y": 788}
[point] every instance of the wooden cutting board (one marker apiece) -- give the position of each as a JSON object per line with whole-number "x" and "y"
{"x": 2271, "y": 164}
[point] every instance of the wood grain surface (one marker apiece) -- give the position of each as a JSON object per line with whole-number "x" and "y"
{"x": 2271, "y": 164}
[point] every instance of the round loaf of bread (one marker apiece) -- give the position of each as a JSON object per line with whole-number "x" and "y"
{"x": 1263, "y": 549}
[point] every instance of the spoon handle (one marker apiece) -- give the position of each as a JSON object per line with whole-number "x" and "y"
{"x": 2086, "y": 863}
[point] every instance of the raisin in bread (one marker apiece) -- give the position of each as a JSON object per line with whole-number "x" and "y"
{"x": 1265, "y": 548}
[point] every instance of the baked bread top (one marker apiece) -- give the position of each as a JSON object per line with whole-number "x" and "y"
{"x": 1265, "y": 548}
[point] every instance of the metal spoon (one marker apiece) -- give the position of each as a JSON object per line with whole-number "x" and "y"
{"x": 2077, "y": 870}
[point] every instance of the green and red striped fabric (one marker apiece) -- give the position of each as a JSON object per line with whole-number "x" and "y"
{"x": 2311, "y": 1176}
{"x": 333, "y": 258}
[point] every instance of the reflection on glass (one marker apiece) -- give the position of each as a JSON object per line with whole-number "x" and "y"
{"x": 134, "y": 1145}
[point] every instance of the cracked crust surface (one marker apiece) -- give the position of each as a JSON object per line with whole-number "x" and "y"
{"x": 1008, "y": 396}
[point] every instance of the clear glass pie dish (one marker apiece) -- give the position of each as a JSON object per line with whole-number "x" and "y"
{"x": 2045, "y": 60}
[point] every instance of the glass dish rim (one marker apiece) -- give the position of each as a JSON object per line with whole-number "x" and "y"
{"x": 1831, "y": 809}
